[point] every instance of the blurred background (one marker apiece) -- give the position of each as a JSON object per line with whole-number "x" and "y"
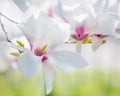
{"x": 100, "y": 78}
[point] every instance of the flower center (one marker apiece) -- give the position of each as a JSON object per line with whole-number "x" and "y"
{"x": 80, "y": 33}
{"x": 38, "y": 52}
{"x": 80, "y": 30}
{"x": 41, "y": 52}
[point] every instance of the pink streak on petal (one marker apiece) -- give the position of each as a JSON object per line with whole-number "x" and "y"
{"x": 100, "y": 35}
{"x": 83, "y": 36}
{"x": 74, "y": 36}
{"x": 50, "y": 12}
{"x": 80, "y": 30}
{"x": 31, "y": 46}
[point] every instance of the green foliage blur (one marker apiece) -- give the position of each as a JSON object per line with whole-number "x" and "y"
{"x": 93, "y": 82}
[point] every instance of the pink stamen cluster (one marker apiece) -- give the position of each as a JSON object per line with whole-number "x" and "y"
{"x": 80, "y": 33}
{"x": 38, "y": 52}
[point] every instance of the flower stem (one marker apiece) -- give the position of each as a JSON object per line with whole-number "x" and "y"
{"x": 78, "y": 46}
{"x": 43, "y": 82}
{"x": 7, "y": 38}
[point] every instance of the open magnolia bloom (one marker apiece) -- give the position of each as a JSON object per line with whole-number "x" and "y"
{"x": 107, "y": 18}
{"x": 96, "y": 22}
{"x": 44, "y": 36}
{"x": 105, "y": 22}
{"x": 75, "y": 12}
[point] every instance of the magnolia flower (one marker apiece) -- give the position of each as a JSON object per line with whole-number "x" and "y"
{"x": 75, "y": 12}
{"x": 105, "y": 22}
{"x": 99, "y": 21}
{"x": 106, "y": 18}
{"x": 44, "y": 36}
{"x": 79, "y": 36}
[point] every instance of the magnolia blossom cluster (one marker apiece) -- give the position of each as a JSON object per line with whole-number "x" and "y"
{"x": 66, "y": 22}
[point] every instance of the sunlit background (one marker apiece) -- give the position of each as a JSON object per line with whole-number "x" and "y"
{"x": 100, "y": 78}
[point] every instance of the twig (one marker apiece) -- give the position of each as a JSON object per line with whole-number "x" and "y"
{"x": 6, "y": 35}
{"x": 5, "y": 32}
{"x": 8, "y": 18}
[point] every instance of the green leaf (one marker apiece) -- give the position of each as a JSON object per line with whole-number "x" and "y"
{"x": 20, "y": 43}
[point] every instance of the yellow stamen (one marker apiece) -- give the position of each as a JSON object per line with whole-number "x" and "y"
{"x": 16, "y": 54}
{"x": 43, "y": 49}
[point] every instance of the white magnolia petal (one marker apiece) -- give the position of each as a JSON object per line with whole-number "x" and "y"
{"x": 28, "y": 28}
{"x": 78, "y": 12}
{"x": 117, "y": 31}
{"x": 106, "y": 25}
{"x": 49, "y": 76}
{"x": 65, "y": 15}
{"x": 54, "y": 36}
{"x": 21, "y": 4}
{"x": 66, "y": 59}
{"x": 85, "y": 9}
{"x": 116, "y": 34}
{"x": 114, "y": 15}
{"x": 48, "y": 32}
{"x": 43, "y": 31}
{"x": 70, "y": 3}
{"x": 101, "y": 3}
{"x": 115, "y": 6}
{"x": 36, "y": 3}
{"x": 28, "y": 63}
{"x": 43, "y": 23}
